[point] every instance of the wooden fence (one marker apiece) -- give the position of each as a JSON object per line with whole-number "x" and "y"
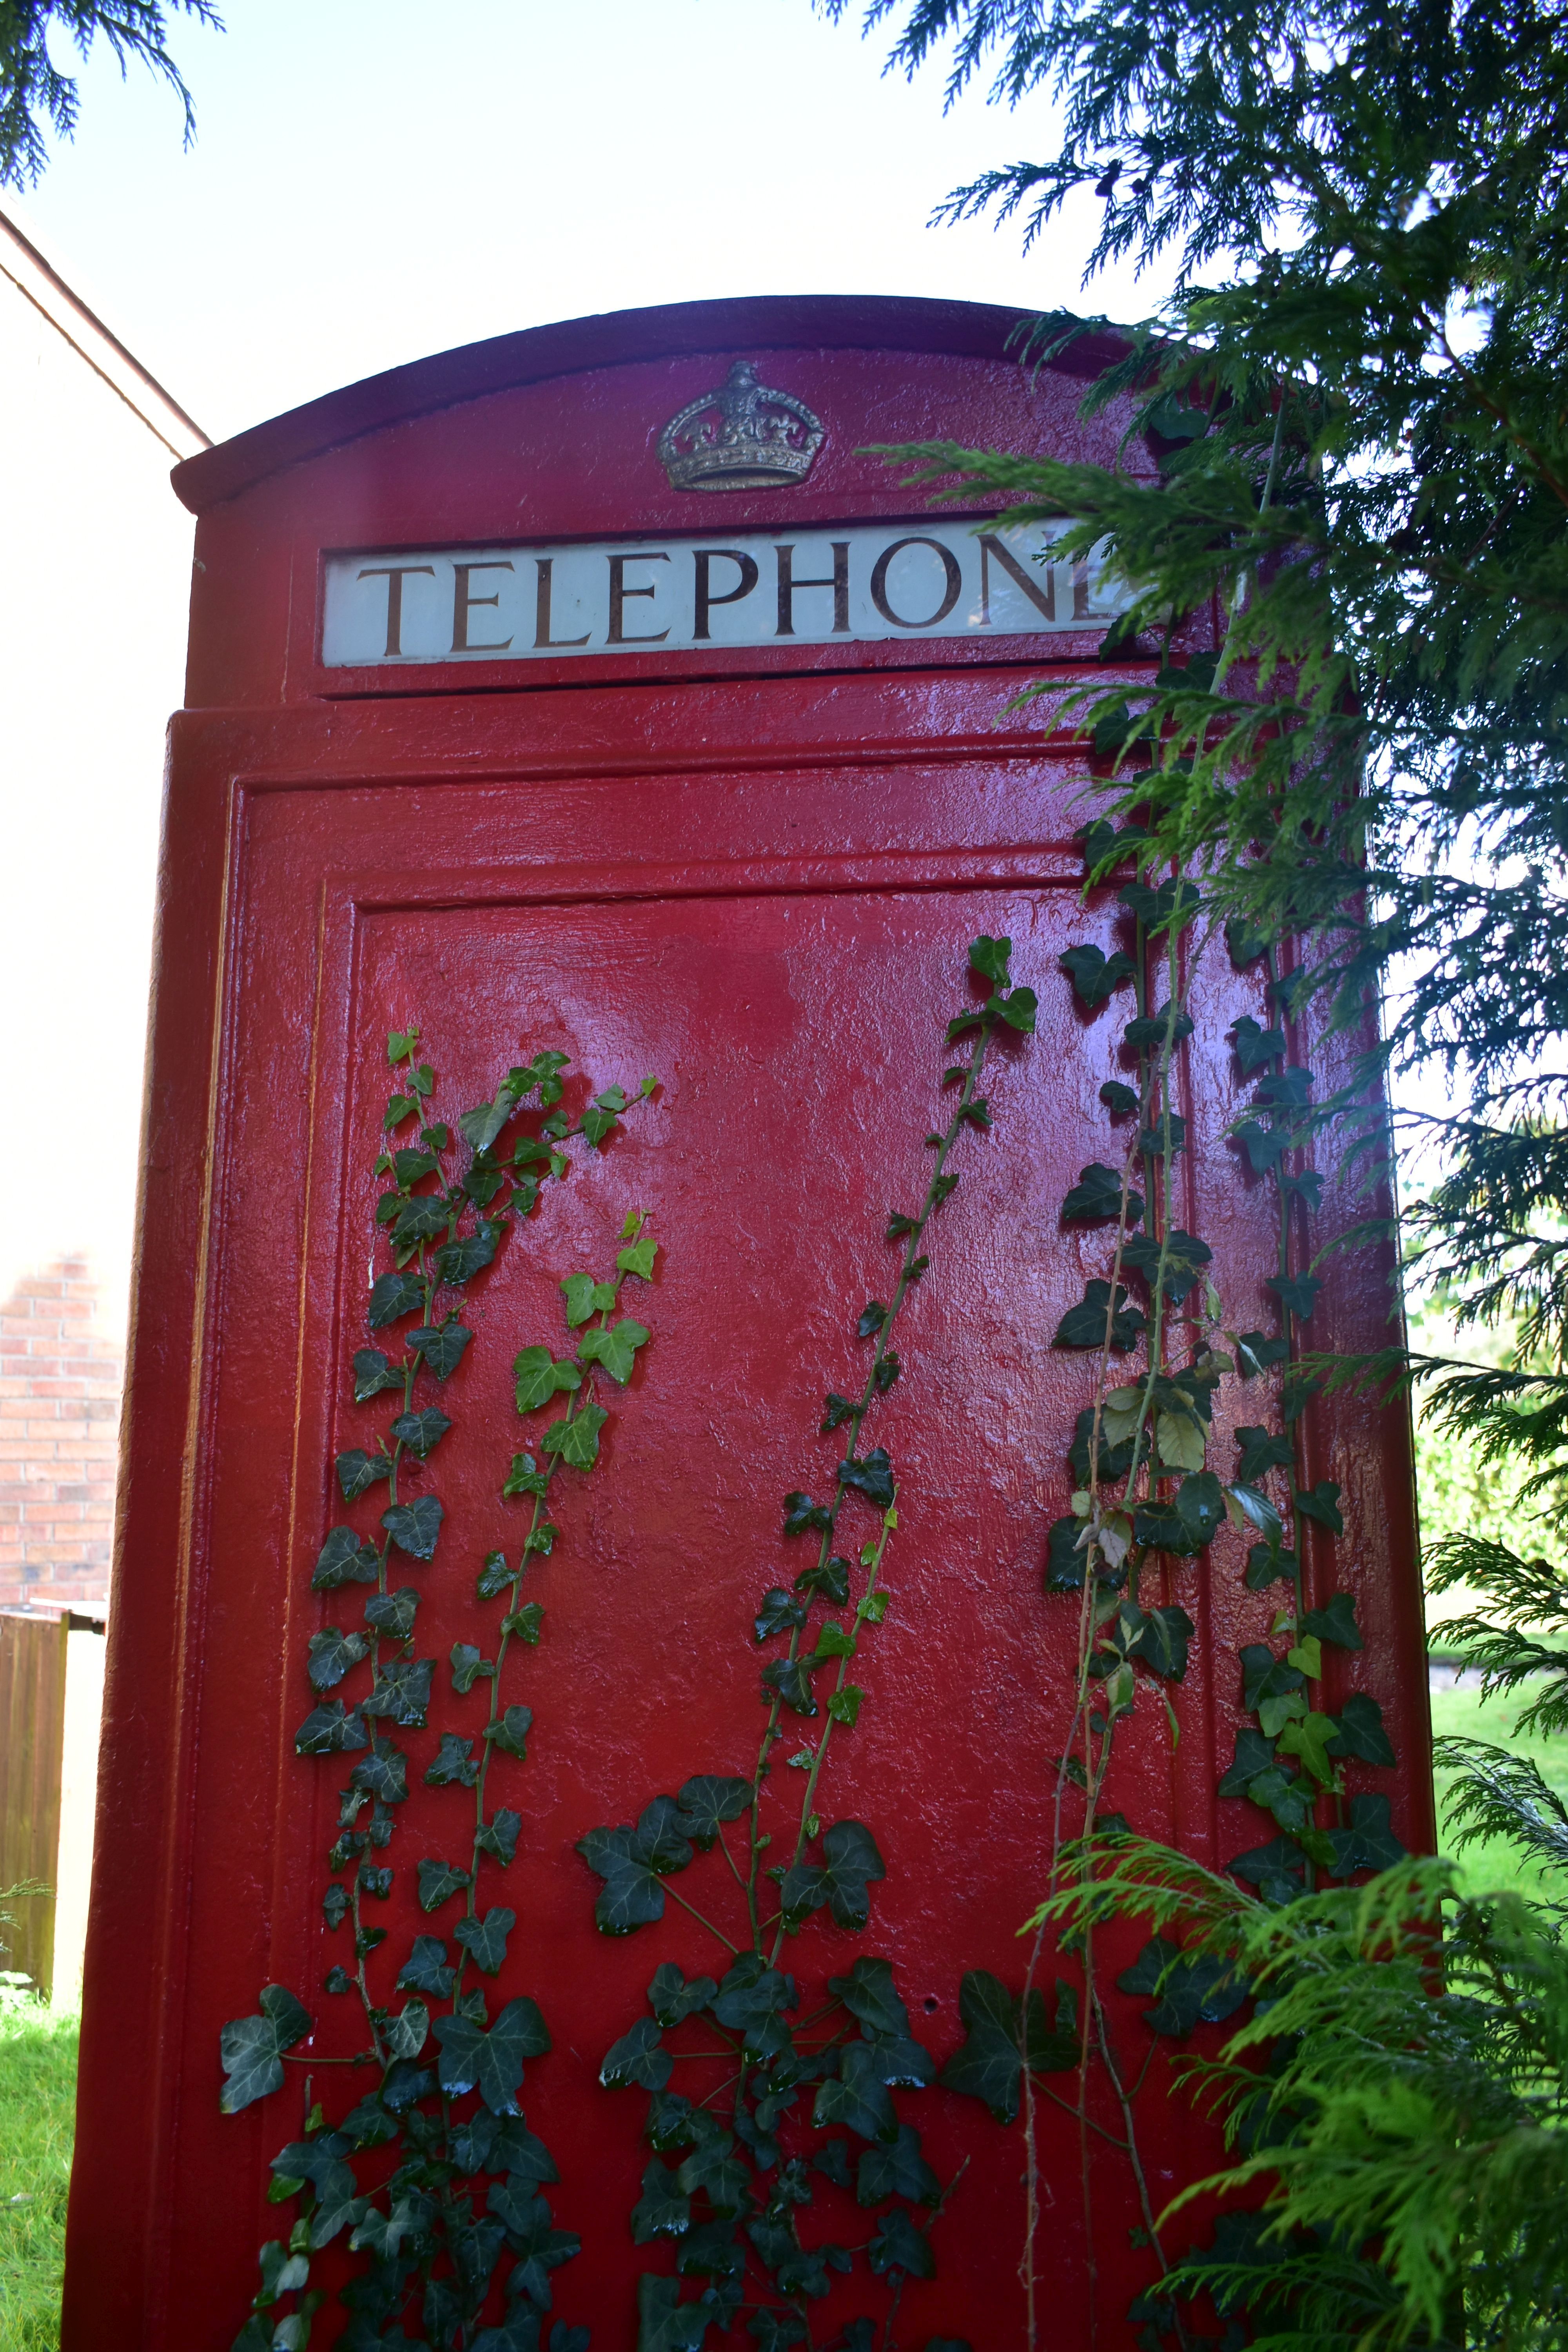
{"x": 31, "y": 1751}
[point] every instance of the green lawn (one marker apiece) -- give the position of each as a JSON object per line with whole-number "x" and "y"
{"x": 38, "y": 2115}
{"x": 1494, "y": 1863}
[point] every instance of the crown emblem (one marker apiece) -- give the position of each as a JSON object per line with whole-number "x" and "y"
{"x": 740, "y": 437}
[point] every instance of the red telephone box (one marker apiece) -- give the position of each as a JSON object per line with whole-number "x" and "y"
{"x": 598, "y": 692}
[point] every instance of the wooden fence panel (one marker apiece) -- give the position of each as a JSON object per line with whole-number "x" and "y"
{"x": 31, "y": 1751}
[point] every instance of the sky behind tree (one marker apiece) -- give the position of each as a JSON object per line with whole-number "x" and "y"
{"x": 361, "y": 194}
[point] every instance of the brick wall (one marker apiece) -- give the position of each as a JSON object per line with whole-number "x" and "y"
{"x": 60, "y": 1376}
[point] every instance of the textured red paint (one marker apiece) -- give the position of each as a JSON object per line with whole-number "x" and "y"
{"x": 761, "y": 886}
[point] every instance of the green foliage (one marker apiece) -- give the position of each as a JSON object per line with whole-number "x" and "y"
{"x": 38, "y": 2113}
{"x": 35, "y": 92}
{"x": 443, "y": 2087}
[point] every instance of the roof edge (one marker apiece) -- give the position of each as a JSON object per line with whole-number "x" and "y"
{"x": 608, "y": 339}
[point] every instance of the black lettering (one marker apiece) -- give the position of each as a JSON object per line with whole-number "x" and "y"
{"x": 838, "y": 583}
{"x": 706, "y": 599}
{"x": 463, "y": 604}
{"x": 395, "y": 575}
{"x": 1043, "y": 599}
{"x": 541, "y": 636}
{"x": 950, "y": 572}
{"x": 619, "y": 591}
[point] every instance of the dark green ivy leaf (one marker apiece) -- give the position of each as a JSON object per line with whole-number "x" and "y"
{"x": 1322, "y": 1503}
{"x": 1361, "y": 1734}
{"x": 331, "y": 1730}
{"x": 252, "y": 2048}
{"x": 665, "y": 2324}
{"x": 1255, "y": 1045}
{"x": 1192, "y": 1988}
{"x": 393, "y": 1612}
{"x": 871, "y": 1476}
{"x": 1184, "y": 1254}
{"x": 439, "y": 1881}
{"x": 455, "y": 1766}
{"x": 497, "y": 1837}
{"x": 383, "y": 1774}
{"x": 1119, "y": 1099}
{"x": 1297, "y": 1292}
{"x": 638, "y": 2058}
{"x": 1367, "y": 1842}
{"x": 484, "y": 1940}
{"x": 897, "y": 2171}
{"x": 371, "y": 1374}
{"x": 493, "y": 2063}
{"x": 575, "y": 1437}
{"x": 510, "y": 1731}
{"x": 869, "y": 1995}
{"x": 802, "y": 1517}
{"x": 345, "y": 1559}
{"x": 662, "y": 2211}
{"x": 1255, "y": 1353}
{"x": 441, "y": 1345}
{"x": 673, "y": 1998}
{"x": 707, "y": 1800}
{"x": 415, "y": 1526}
{"x": 402, "y": 1691}
{"x": 850, "y": 1861}
{"x": 1254, "y": 1755}
{"x": 1150, "y": 1030}
{"x": 1260, "y": 1452}
{"x": 1094, "y": 974}
{"x": 1097, "y": 1193}
{"x": 426, "y": 1970}
{"x": 458, "y": 1262}
{"x": 358, "y": 1471}
{"x": 778, "y": 1613}
{"x": 391, "y": 1295}
{"x": 421, "y": 1430}
{"x": 1335, "y": 1623}
{"x": 898, "y": 2245}
{"x": 1084, "y": 1326}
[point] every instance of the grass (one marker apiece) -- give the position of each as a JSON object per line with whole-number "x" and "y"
{"x": 1493, "y": 1863}
{"x": 37, "y": 2116}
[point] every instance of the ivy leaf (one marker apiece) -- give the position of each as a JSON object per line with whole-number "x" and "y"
{"x": 331, "y": 1730}
{"x": 1161, "y": 1641}
{"x": 843, "y": 1879}
{"x": 1148, "y": 1030}
{"x": 371, "y": 1374}
{"x": 1119, "y": 1099}
{"x": 673, "y": 1998}
{"x": 1256, "y": 1045}
{"x": 1084, "y": 1326}
{"x": 638, "y": 2058}
{"x": 1268, "y": 1564}
{"x": 830, "y": 1577}
{"x": 421, "y": 1219}
{"x": 359, "y": 1471}
{"x": 871, "y": 1476}
{"x": 988, "y": 2065}
{"x": 540, "y": 1377}
{"x": 455, "y": 1766}
{"x": 1297, "y": 1293}
{"x": 1097, "y": 1193}
{"x": 897, "y": 2171}
{"x": 789, "y": 1679}
{"x": 1094, "y": 974}
{"x": 335, "y": 1906}
{"x": 466, "y": 1662}
{"x": 990, "y": 958}
{"x": 426, "y": 1970}
{"x": 1257, "y": 1353}
{"x": 857, "y": 2096}
{"x": 391, "y": 1295}
{"x": 1322, "y": 1503}
{"x": 1019, "y": 1009}
{"x": 441, "y": 1345}
{"x": 252, "y": 2048}
{"x": 1254, "y": 1755}
{"x": 754, "y": 2002}
{"x": 616, "y": 1349}
{"x": 1276, "y": 1869}
{"x": 844, "y": 1705}
{"x": 1260, "y": 1452}
{"x": 421, "y": 1430}
{"x": 541, "y": 2248}
{"x": 509, "y": 1730}
{"x": 345, "y": 1559}
{"x": 393, "y": 1612}
{"x": 1265, "y": 1676}
{"x": 402, "y": 1692}
{"x": 1367, "y": 1842}
{"x": 662, "y": 2211}
{"x": 524, "y": 1477}
{"x": 586, "y": 1297}
{"x": 383, "y": 1774}
{"x": 485, "y": 1942}
{"x": 415, "y": 1526}
{"x": 1185, "y": 1257}
{"x": 802, "y": 1517}
{"x": 1361, "y": 1734}
{"x": 575, "y": 1439}
{"x": 779, "y": 1612}
{"x": 493, "y": 2063}
{"x": 1192, "y": 1988}
{"x": 707, "y": 1800}
{"x": 439, "y": 1881}
{"x": 458, "y": 1262}
{"x": 665, "y": 2324}
{"x": 898, "y": 2245}
{"x": 499, "y": 1835}
{"x": 1308, "y": 1737}
{"x": 869, "y": 1995}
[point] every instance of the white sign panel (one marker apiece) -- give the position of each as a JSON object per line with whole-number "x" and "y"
{"x": 851, "y": 584}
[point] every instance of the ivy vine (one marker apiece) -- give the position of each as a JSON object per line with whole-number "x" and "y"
{"x": 432, "y": 2169}
{"x": 1145, "y": 1507}
{"x": 736, "y": 2157}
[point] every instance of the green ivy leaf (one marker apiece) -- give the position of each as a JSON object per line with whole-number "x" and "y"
{"x": 415, "y": 1526}
{"x": 574, "y": 1438}
{"x": 391, "y": 1295}
{"x": 1183, "y": 1256}
{"x": 524, "y": 1622}
{"x": 499, "y": 1835}
{"x": 1192, "y": 1988}
{"x": 345, "y": 1559}
{"x": 1256, "y": 1046}
{"x": 857, "y": 2096}
{"x": 662, "y": 2211}
{"x": 332, "y": 1653}
{"x": 420, "y": 1432}
{"x": 441, "y": 1345}
{"x": 1367, "y": 1842}
{"x": 1265, "y": 1676}
{"x": 1084, "y": 1326}
{"x": 426, "y": 1970}
{"x": 331, "y": 1730}
{"x": 1097, "y": 1193}
{"x": 439, "y": 1881}
{"x": 1019, "y": 1009}
{"x": 830, "y": 1577}
{"x": 871, "y": 1476}
{"x": 510, "y": 1731}
{"x": 585, "y": 1297}
{"x": 868, "y": 1993}
{"x": 637, "y": 1258}
{"x": 707, "y": 1799}
{"x": 637, "y": 2059}
{"x": 455, "y": 1766}
{"x": 1257, "y": 1353}
{"x": 1297, "y": 1293}
{"x": 673, "y": 1999}
{"x": 1095, "y": 975}
{"x": 421, "y": 1219}
{"x": 1276, "y": 1869}
{"x": 1149, "y": 1030}
{"x": 458, "y": 1262}
{"x": 1309, "y": 1737}
{"x": 467, "y": 1664}
{"x": 842, "y": 1881}
{"x": 1322, "y": 1503}
{"x": 897, "y": 2171}
{"x": 1119, "y": 1099}
{"x": 540, "y": 1377}
{"x": 484, "y": 1940}
{"x": 777, "y": 1613}
{"x": 398, "y": 1108}
{"x": 899, "y": 2246}
{"x": 789, "y": 1679}
{"x": 844, "y": 1705}
{"x": 252, "y": 2048}
{"x": 1268, "y": 1564}
{"x": 373, "y": 1373}
{"x": 383, "y": 1774}
{"x": 493, "y": 2063}
{"x": 1361, "y": 1734}
{"x": 540, "y": 2248}
{"x": 665, "y": 2324}
{"x": 393, "y": 1612}
{"x": 1260, "y": 1453}
{"x": 615, "y": 1348}
{"x": 359, "y": 1471}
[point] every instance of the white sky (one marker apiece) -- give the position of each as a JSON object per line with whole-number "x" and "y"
{"x": 363, "y": 191}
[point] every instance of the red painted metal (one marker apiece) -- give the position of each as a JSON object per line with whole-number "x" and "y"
{"x": 758, "y": 882}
